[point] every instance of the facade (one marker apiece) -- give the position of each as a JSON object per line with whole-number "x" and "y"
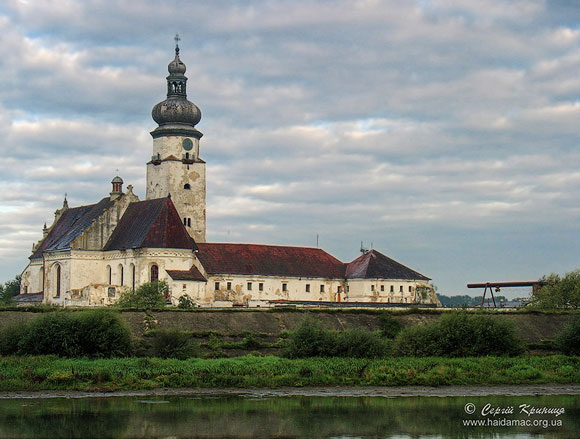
{"x": 91, "y": 254}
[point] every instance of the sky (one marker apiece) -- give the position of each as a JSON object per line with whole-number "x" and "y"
{"x": 444, "y": 134}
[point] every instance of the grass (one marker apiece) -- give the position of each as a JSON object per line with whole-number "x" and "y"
{"x": 54, "y": 373}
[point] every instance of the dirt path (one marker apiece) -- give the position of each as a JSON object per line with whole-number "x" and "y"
{"x": 385, "y": 392}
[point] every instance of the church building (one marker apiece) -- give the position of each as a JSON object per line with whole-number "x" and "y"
{"x": 91, "y": 254}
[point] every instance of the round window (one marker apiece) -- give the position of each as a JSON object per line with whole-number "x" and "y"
{"x": 187, "y": 144}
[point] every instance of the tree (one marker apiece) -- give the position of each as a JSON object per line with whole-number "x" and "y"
{"x": 558, "y": 292}
{"x": 148, "y": 295}
{"x": 10, "y": 289}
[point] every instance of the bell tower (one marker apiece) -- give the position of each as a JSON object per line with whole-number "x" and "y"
{"x": 176, "y": 167}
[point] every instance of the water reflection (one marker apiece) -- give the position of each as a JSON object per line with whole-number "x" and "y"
{"x": 275, "y": 417}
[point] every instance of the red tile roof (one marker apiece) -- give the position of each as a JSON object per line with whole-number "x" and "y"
{"x": 268, "y": 260}
{"x": 70, "y": 225}
{"x": 150, "y": 224}
{"x": 192, "y": 274}
{"x": 375, "y": 265}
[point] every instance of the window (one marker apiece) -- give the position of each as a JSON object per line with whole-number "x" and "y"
{"x": 217, "y": 286}
{"x": 348, "y": 288}
{"x": 307, "y": 288}
{"x": 186, "y": 186}
{"x": 111, "y": 291}
{"x": 249, "y": 286}
{"x": 58, "y": 281}
{"x": 339, "y": 290}
{"x": 261, "y": 286}
{"x": 188, "y": 222}
{"x": 372, "y": 287}
{"x": 154, "y": 273}
{"x": 322, "y": 288}
{"x": 185, "y": 221}
{"x": 392, "y": 289}
{"x": 109, "y": 275}
{"x": 401, "y": 289}
{"x": 121, "y": 275}
{"x": 133, "y": 277}
{"x": 284, "y": 287}
{"x": 229, "y": 286}
{"x": 410, "y": 289}
{"x": 382, "y": 288}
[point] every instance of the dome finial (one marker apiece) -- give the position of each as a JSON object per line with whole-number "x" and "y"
{"x": 177, "y": 40}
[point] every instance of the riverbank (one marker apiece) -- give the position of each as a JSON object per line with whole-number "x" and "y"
{"x": 131, "y": 374}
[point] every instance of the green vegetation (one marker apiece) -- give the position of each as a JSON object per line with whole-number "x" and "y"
{"x": 50, "y": 372}
{"x": 568, "y": 341}
{"x": 459, "y": 335}
{"x": 92, "y": 333}
{"x": 185, "y": 302}
{"x": 311, "y": 339}
{"x": 390, "y": 327}
{"x": 9, "y": 289}
{"x": 149, "y": 295}
{"x": 173, "y": 343}
{"x": 559, "y": 292}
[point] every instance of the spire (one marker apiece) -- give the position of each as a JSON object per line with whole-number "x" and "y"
{"x": 176, "y": 115}
{"x": 65, "y": 203}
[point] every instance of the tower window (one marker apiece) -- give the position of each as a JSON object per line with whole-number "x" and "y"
{"x": 185, "y": 221}
{"x": 188, "y": 222}
{"x": 187, "y": 186}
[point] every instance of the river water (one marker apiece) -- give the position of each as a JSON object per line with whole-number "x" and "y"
{"x": 326, "y": 413}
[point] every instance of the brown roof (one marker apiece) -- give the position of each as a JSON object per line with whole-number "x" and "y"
{"x": 192, "y": 274}
{"x": 375, "y": 265}
{"x": 150, "y": 224}
{"x": 70, "y": 225}
{"x": 268, "y": 260}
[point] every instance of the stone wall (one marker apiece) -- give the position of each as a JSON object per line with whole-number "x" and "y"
{"x": 531, "y": 327}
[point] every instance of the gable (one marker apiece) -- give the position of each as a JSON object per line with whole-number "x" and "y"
{"x": 71, "y": 224}
{"x": 150, "y": 224}
{"x": 268, "y": 260}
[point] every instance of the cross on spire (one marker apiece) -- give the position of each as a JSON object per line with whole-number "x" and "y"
{"x": 177, "y": 40}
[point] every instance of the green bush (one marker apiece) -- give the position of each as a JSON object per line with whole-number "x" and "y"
{"x": 310, "y": 339}
{"x": 148, "y": 295}
{"x": 94, "y": 333}
{"x": 185, "y": 302}
{"x": 10, "y": 336}
{"x": 173, "y": 343}
{"x": 568, "y": 340}
{"x": 390, "y": 326}
{"x": 459, "y": 335}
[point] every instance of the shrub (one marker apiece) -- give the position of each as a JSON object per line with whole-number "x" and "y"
{"x": 185, "y": 302}
{"x": 459, "y": 335}
{"x": 173, "y": 343}
{"x": 310, "y": 339}
{"x": 95, "y": 333}
{"x": 10, "y": 336}
{"x": 390, "y": 326}
{"x": 568, "y": 340}
{"x": 148, "y": 295}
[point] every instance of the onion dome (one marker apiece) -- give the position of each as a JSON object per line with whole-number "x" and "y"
{"x": 176, "y": 115}
{"x": 117, "y": 179}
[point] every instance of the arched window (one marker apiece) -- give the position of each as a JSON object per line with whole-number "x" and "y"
{"x": 121, "y": 279}
{"x": 186, "y": 186}
{"x": 133, "y": 277}
{"x": 58, "y": 276}
{"x": 154, "y": 273}
{"x": 109, "y": 275}
{"x": 188, "y": 222}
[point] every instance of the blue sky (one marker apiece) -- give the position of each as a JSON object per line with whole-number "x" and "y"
{"x": 445, "y": 133}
